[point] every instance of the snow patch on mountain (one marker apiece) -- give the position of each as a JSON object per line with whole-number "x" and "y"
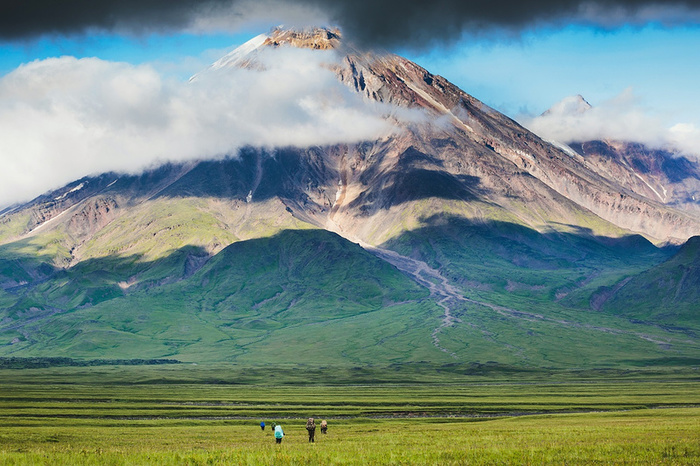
{"x": 234, "y": 58}
{"x": 77, "y": 188}
{"x": 565, "y": 147}
{"x": 237, "y": 57}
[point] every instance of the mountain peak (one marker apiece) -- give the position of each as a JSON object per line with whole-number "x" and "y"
{"x": 571, "y": 105}
{"x": 316, "y": 38}
{"x": 244, "y": 56}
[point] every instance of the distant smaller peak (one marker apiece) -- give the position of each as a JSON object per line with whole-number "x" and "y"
{"x": 572, "y": 105}
{"x": 317, "y": 38}
{"x": 579, "y": 98}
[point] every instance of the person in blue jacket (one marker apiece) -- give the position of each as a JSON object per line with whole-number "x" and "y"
{"x": 262, "y": 425}
{"x": 278, "y": 434}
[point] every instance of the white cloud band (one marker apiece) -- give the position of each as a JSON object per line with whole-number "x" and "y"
{"x": 63, "y": 118}
{"x": 622, "y": 118}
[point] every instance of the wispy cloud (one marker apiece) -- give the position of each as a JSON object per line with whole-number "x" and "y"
{"x": 622, "y": 118}
{"x": 64, "y": 118}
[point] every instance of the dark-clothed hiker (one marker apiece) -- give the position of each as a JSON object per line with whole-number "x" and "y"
{"x": 324, "y": 426}
{"x": 311, "y": 427}
{"x": 278, "y": 434}
{"x": 262, "y": 425}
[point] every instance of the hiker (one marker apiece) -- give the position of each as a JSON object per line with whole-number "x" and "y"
{"x": 324, "y": 426}
{"x": 311, "y": 427}
{"x": 278, "y": 433}
{"x": 262, "y": 425}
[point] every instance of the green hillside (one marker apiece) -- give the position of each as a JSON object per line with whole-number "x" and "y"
{"x": 288, "y": 290}
{"x": 312, "y": 297}
{"x": 528, "y": 295}
{"x": 191, "y": 275}
{"x": 668, "y": 293}
{"x": 505, "y": 261}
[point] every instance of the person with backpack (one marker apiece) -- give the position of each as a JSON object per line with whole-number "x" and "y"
{"x": 311, "y": 427}
{"x": 279, "y": 434}
{"x": 324, "y": 426}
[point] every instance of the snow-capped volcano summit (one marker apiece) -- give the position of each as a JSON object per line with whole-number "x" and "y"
{"x": 240, "y": 54}
{"x": 245, "y": 55}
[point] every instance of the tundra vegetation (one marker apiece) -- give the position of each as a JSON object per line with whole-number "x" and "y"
{"x": 185, "y": 414}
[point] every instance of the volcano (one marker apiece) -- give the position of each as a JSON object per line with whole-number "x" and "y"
{"x": 457, "y": 236}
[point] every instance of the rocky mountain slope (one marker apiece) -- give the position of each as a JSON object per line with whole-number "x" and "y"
{"x": 663, "y": 175}
{"x": 668, "y": 177}
{"x": 481, "y": 241}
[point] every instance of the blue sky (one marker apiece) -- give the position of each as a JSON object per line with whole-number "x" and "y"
{"x": 184, "y": 52}
{"x": 524, "y": 74}
{"x": 530, "y": 73}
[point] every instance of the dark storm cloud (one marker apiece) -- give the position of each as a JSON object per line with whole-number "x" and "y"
{"x": 21, "y": 19}
{"x": 376, "y": 22}
{"x": 396, "y": 22}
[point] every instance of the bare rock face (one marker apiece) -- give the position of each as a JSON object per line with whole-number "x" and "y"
{"x": 311, "y": 38}
{"x": 92, "y": 217}
{"x": 51, "y": 205}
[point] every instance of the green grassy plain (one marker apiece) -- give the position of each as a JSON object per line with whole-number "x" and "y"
{"x": 176, "y": 415}
{"x": 640, "y": 437}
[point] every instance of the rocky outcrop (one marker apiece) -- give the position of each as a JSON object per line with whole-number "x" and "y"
{"x": 92, "y": 216}
{"x": 52, "y": 204}
{"x": 310, "y": 38}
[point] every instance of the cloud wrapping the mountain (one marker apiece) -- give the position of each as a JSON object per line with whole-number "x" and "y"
{"x": 622, "y": 118}
{"x": 64, "y": 118}
{"x": 368, "y": 22}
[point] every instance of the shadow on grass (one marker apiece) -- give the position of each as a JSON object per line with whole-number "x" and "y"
{"x": 518, "y": 246}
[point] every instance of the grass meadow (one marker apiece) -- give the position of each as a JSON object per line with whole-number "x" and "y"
{"x": 88, "y": 416}
{"x": 668, "y": 436}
